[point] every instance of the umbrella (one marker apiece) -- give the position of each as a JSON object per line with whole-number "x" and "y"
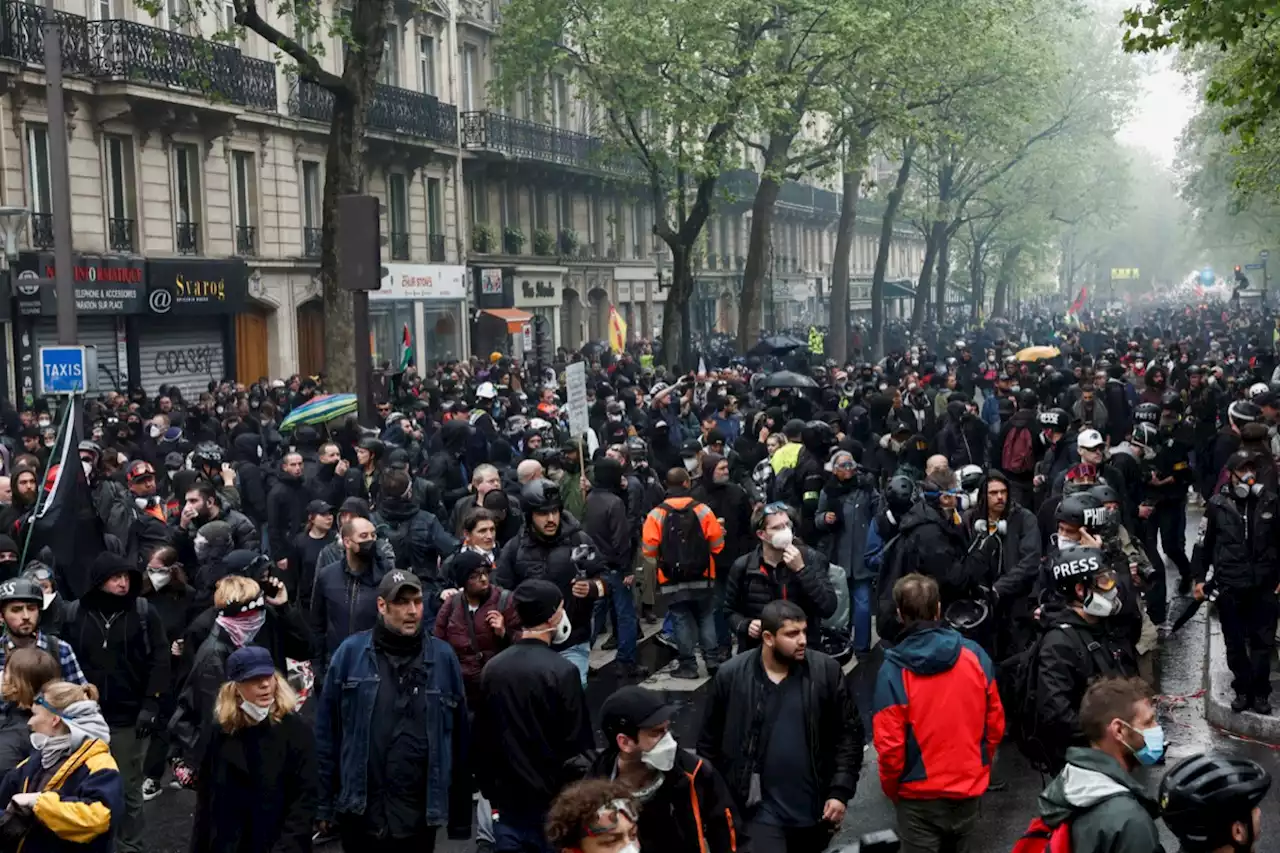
{"x": 1038, "y": 353}
{"x": 789, "y": 379}
{"x": 321, "y": 410}
{"x": 593, "y": 348}
{"x": 776, "y": 345}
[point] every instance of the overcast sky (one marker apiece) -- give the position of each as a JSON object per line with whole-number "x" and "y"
{"x": 1164, "y": 106}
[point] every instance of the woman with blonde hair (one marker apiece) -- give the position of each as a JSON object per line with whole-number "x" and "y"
{"x": 26, "y": 672}
{"x": 68, "y": 794}
{"x": 256, "y": 783}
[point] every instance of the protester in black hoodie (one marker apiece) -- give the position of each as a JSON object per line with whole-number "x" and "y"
{"x": 732, "y": 506}
{"x": 304, "y": 552}
{"x": 120, "y": 642}
{"x": 245, "y": 456}
{"x": 606, "y": 523}
{"x": 446, "y": 468}
{"x": 166, "y": 590}
{"x": 286, "y": 508}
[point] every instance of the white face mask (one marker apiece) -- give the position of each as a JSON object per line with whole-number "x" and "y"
{"x": 43, "y": 422}
{"x": 256, "y": 713}
{"x": 154, "y": 431}
{"x": 781, "y": 539}
{"x": 1102, "y": 604}
{"x": 47, "y": 599}
{"x": 88, "y": 467}
{"x": 159, "y": 577}
{"x": 690, "y": 463}
{"x": 561, "y": 632}
{"x": 662, "y": 756}
{"x": 633, "y": 847}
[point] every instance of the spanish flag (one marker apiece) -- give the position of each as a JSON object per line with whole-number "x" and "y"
{"x": 617, "y": 331}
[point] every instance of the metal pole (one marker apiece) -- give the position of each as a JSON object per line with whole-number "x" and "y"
{"x": 60, "y": 181}
{"x": 364, "y": 356}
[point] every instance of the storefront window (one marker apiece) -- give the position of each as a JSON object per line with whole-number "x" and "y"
{"x": 386, "y": 323}
{"x": 444, "y": 334}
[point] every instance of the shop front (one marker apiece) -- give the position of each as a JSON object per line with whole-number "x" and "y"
{"x": 637, "y": 288}
{"x": 539, "y": 291}
{"x": 431, "y": 300}
{"x": 187, "y": 335}
{"x": 109, "y": 291}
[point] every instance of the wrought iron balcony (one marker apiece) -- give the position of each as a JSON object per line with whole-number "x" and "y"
{"x": 741, "y": 186}
{"x": 187, "y": 236}
{"x": 120, "y": 234}
{"x": 435, "y": 245}
{"x": 394, "y": 110}
{"x": 399, "y": 245}
{"x": 517, "y": 137}
{"x": 42, "y": 230}
{"x": 23, "y": 36}
{"x": 246, "y": 240}
{"x": 311, "y": 240}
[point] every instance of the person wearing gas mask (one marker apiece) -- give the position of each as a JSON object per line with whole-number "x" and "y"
{"x": 846, "y": 509}
{"x": 1078, "y": 644}
{"x": 642, "y": 754}
{"x": 138, "y": 519}
{"x": 549, "y": 548}
{"x": 1239, "y": 542}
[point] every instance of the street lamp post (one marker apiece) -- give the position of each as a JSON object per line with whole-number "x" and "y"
{"x": 12, "y": 221}
{"x": 60, "y": 180}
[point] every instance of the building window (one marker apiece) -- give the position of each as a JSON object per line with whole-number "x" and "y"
{"x": 434, "y": 207}
{"x": 389, "y": 73}
{"x": 539, "y": 199}
{"x": 398, "y": 216}
{"x": 38, "y": 166}
{"x": 478, "y": 201}
{"x": 246, "y": 197}
{"x": 564, "y": 210}
{"x": 120, "y": 193}
{"x": 427, "y": 64}
{"x": 470, "y": 76}
{"x": 637, "y": 230}
{"x": 311, "y": 194}
{"x": 510, "y": 206}
{"x": 559, "y": 101}
{"x": 229, "y": 15}
{"x": 107, "y": 9}
{"x": 173, "y": 15}
{"x": 186, "y": 196}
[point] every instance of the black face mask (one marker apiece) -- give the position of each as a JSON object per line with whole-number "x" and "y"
{"x": 365, "y": 549}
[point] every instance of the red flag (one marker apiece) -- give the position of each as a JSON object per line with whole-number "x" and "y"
{"x": 1080, "y": 299}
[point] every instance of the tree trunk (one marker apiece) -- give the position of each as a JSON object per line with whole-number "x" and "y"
{"x": 940, "y": 281}
{"x": 838, "y": 330}
{"x": 882, "y": 251}
{"x": 924, "y": 285}
{"x": 750, "y": 320}
{"x": 345, "y": 174}
{"x": 977, "y": 281}
{"x": 1008, "y": 263}
{"x": 675, "y": 326}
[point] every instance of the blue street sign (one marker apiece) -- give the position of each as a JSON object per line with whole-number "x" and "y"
{"x": 1253, "y": 266}
{"x": 1206, "y": 275}
{"x": 62, "y": 370}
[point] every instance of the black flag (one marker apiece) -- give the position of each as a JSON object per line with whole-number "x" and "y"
{"x": 64, "y": 520}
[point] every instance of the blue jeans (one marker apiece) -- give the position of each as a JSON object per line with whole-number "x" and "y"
{"x": 694, "y": 620}
{"x": 626, "y": 623}
{"x": 580, "y": 656}
{"x": 519, "y": 833}
{"x": 724, "y": 636}
{"x": 860, "y": 598}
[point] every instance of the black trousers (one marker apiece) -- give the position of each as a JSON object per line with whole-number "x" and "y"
{"x": 766, "y": 838}
{"x": 356, "y": 840}
{"x": 1168, "y": 522}
{"x": 1249, "y": 632}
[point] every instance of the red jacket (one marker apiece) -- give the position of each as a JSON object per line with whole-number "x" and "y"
{"x": 938, "y": 717}
{"x": 451, "y": 626}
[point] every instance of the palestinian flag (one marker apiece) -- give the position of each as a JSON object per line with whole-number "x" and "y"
{"x": 406, "y": 356}
{"x": 64, "y": 520}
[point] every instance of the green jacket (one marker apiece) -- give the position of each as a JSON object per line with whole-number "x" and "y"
{"x": 1109, "y": 810}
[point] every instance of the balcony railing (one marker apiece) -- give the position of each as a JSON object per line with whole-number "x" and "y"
{"x": 435, "y": 245}
{"x": 187, "y": 236}
{"x": 519, "y": 137}
{"x": 741, "y": 185}
{"x": 394, "y": 110}
{"x": 23, "y": 37}
{"x": 42, "y": 230}
{"x": 120, "y": 234}
{"x": 399, "y": 245}
{"x": 311, "y": 238}
{"x": 246, "y": 240}
{"x": 133, "y": 52}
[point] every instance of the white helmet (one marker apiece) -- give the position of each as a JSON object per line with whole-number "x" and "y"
{"x": 1257, "y": 389}
{"x": 486, "y": 391}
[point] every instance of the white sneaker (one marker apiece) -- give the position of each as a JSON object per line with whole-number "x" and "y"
{"x": 151, "y": 789}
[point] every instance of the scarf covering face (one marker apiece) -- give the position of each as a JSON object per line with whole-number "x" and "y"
{"x": 85, "y": 721}
{"x": 243, "y": 627}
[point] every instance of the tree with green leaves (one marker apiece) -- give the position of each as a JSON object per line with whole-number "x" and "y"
{"x": 363, "y": 32}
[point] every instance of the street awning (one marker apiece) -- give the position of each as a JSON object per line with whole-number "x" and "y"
{"x": 513, "y": 317}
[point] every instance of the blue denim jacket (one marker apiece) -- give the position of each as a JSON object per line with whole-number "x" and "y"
{"x": 345, "y": 716}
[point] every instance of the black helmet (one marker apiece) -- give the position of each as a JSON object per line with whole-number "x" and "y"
{"x": 1104, "y": 494}
{"x": 966, "y": 614}
{"x": 547, "y": 457}
{"x": 1243, "y": 412}
{"x": 21, "y": 589}
{"x": 375, "y": 446}
{"x": 1075, "y": 565}
{"x": 540, "y": 496}
{"x": 1147, "y": 413}
{"x": 1241, "y": 459}
{"x": 1146, "y": 434}
{"x": 1028, "y": 399}
{"x": 207, "y": 455}
{"x": 900, "y": 494}
{"x": 1201, "y": 796}
{"x": 1171, "y": 402}
{"x": 1074, "y": 509}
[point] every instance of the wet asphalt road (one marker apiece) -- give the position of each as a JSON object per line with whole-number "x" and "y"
{"x": 1004, "y": 814}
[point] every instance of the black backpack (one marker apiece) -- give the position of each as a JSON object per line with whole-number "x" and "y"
{"x": 398, "y": 536}
{"x": 684, "y": 554}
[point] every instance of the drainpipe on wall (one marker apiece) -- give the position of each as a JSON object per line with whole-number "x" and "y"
{"x": 460, "y": 227}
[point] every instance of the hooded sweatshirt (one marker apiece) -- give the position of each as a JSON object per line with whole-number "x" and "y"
{"x": 1108, "y": 809}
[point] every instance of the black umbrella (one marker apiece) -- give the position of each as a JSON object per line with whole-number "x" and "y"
{"x": 776, "y": 345}
{"x": 593, "y": 347}
{"x": 789, "y": 379}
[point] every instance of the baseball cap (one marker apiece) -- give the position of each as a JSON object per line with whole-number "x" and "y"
{"x": 1089, "y": 439}
{"x": 394, "y": 582}
{"x": 249, "y": 662}
{"x": 319, "y": 508}
{"x": 631, "y": 709}
{"x": 140, "y": 469}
